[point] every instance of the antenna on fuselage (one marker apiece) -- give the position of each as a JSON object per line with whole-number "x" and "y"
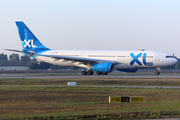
{"x": 142, "y": 49}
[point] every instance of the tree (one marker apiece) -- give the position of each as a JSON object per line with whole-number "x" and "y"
{"x": 34, "y": 60}
{"x": 44, "y": 65}
{"x": 14, "y": 57}
{"x": 54, "y": 67}
{"x": 34, "y": 65}
{"x": 177, "y": 66}
{"x": 3, "y": 57}
{"x": 25, "y": 58}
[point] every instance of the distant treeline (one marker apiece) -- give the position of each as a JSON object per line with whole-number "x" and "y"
{"x": 15, "y": 59}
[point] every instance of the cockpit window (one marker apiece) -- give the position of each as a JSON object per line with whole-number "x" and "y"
{"x": 169, "y": 57}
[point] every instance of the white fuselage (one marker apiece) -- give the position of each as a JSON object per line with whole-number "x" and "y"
{"x": 126, "y": 59}
{"x": 100, "y": 61}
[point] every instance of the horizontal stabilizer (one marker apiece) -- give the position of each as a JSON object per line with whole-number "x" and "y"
{"x": 14, "y": 50}
{"x": 31, "y": 53}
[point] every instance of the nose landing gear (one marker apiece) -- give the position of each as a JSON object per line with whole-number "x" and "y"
{"x": 157, "y": 71}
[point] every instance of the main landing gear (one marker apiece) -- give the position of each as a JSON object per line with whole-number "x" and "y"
{"x": 91, "y": 73}
{"x": 102, "y": 73}
{"x": 157, "y": 71}
{"x": 87, "y": 72}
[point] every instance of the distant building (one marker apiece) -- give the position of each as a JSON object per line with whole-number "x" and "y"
{"x": 13, "y": 67}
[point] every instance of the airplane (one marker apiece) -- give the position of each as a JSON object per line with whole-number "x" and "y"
{"x": 101, "y": 61}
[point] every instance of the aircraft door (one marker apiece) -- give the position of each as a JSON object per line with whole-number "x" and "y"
{"x": 157, "y": 57}
{"x": 81, "y": 54}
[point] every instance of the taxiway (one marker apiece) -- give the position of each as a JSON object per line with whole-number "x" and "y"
{"x": 90, "y": 76}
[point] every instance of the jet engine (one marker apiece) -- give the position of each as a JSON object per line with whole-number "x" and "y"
{"x": 103, "y": 67}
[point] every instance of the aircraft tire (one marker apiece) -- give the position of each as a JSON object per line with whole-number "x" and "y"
{"x": 90, "y": 72}
{"x": 105, "y": 73}
{"x": 99, "y": 73}
{"x": 84, "y": 73}
{"x": 157, "y": 73}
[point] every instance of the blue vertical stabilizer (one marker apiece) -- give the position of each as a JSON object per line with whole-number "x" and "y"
{"x": 28, "y": 39}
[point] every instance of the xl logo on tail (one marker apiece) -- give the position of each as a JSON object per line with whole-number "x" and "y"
{"x": 29, "y": 43}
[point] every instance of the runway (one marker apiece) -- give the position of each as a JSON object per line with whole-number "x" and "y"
{"x": 91, "y": 76}
{"x": 106, "y": 86}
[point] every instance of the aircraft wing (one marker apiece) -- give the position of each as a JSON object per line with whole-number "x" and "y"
{"x": 78, "y": 59}
{"x": 67, "y": 58}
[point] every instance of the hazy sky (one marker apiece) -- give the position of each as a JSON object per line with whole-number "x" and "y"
{"x": 94, "y": 24}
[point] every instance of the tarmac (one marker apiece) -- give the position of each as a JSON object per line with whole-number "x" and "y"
{"x": 94, "y": 86}
{"x": 91, "y": 76}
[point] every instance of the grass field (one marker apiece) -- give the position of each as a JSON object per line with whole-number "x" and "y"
{"x": 92, "y": 81}
{"x": 33, "y": 101}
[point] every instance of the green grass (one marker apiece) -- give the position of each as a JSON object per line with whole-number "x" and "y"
{"x": 25, "y": 100}
{"x": 40, "y": 101}
{"x": 93, "y": 81}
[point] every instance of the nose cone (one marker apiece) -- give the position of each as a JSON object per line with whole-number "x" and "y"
{"x": 171, "y": 61}
{"x": 174, "y": 61}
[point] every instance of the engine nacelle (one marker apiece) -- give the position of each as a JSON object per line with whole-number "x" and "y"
{"x": 103, "y": 67}
{"x": 128, "y": 70}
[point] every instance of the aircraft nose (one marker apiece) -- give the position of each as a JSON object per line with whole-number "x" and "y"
{"x": 175, "y": 60}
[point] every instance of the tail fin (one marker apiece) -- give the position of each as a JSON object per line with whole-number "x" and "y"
{"x": 28, "y": 39}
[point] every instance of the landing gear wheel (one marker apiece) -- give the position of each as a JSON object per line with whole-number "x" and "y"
{"x": 90, "y": 72}
{"x": 84, "y": 73}
{"x": 105, "y": 73}
{"x": 99, "y": 73}
{"x": 157, "y": 73}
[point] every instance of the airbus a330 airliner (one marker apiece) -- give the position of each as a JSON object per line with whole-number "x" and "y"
{"x": 102, "y": 62}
